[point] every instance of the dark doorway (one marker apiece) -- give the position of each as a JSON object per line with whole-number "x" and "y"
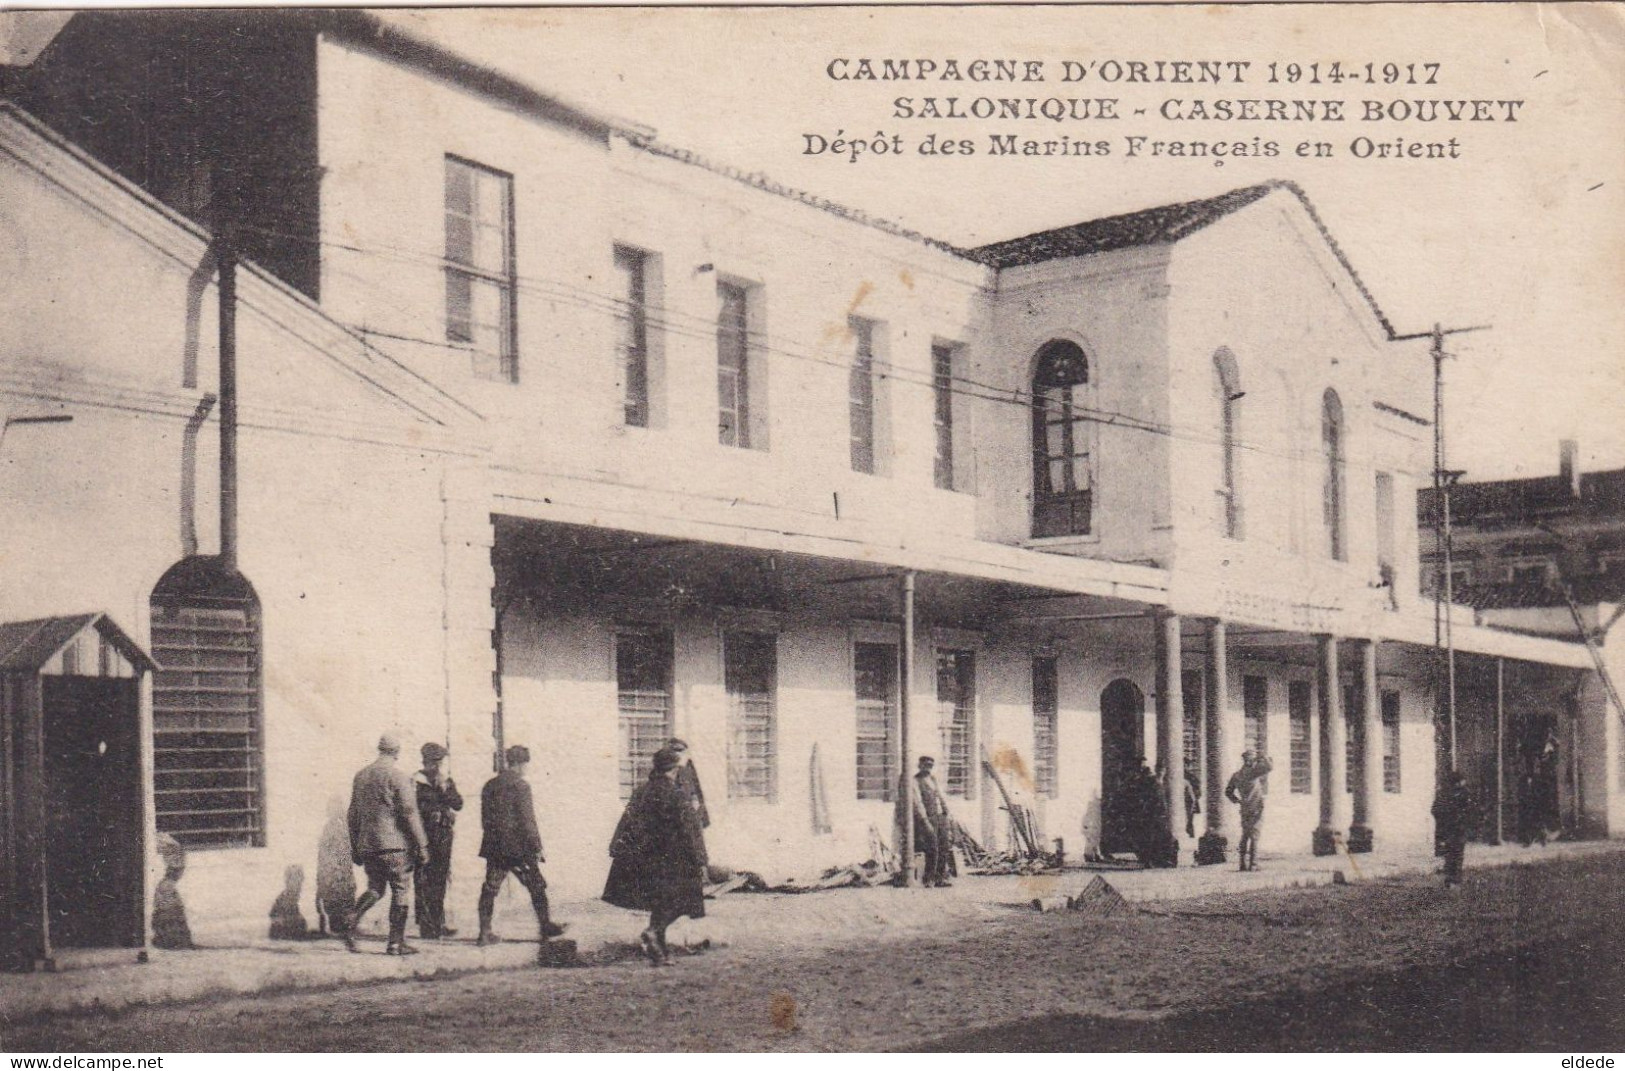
{"x": 1122, "y": 749}
{"x": 93, "y": 810}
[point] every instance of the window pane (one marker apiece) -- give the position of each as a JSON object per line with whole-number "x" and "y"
{"x": 733, "y": 354}
{"x": 875, "y": 684}
{"x": 479, "y": 272}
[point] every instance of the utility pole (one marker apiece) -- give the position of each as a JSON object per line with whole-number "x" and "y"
{"x": 1443, "y": 479}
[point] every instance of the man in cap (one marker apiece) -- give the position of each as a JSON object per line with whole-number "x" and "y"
{"x": 688, "y": 780}
{"x": 438, "y": 804}
{"x": 511, "y": 844}
{"x": 386, "y": 840}
{"x": 1246, "y": 787}
{"x": 932, "y": 824}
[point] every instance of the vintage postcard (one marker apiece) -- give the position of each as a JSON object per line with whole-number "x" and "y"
{"x": 848, "y": 528}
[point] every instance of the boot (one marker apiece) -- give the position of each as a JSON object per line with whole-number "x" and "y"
{"x": 488, "y": 904}
{"x": 544, "y": 925}
{"x": 397, "y": 933}
{"x": 362, "y": 906}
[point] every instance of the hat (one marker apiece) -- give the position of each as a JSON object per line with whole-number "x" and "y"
{"x": 674, "y": 744}
{"x": 433, "y": 752}
{"x": 518, "y": 755}
{"x": 927, "y": 760}
{"x": 665, "y": 759}
{"x": 1248, "y": 756}
{"x": 389, "y": 745}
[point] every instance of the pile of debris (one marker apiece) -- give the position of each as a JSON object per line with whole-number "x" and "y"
{"x": 1026, "y": 854}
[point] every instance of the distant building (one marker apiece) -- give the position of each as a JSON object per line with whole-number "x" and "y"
{"x": 1521, "y": 550}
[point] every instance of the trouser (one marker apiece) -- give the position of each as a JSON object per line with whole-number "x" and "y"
{"x": 429, "y": 892}
{"x": 935, "y": 846}
{"x": 529, "y": 874}
{"x": 1247, "y": 847}
{"x": 384, "y": 868}
{"x": 1454, "y": 852}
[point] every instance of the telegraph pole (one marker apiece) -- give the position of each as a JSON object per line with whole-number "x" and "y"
{"x": 1443, "y": 479}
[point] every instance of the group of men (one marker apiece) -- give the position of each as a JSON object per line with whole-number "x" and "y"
{"x": 402, "y": 826}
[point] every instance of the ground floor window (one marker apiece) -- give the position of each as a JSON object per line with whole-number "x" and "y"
{"x": 1390, "y": 741}
{"x": 643, "y": 659}
{"x": 1255, "y": 708}
{"x": 1299, "y": 706}
{"x": 750, "y": 669}
{"x": 874, "y": 673}
{"x": 1046, "y": 717}
{"x": 956, "y": 713}
{"x": 1351, "y": 745}
{"x": 1191, "y": 695}
{"x": 207, "y": 744}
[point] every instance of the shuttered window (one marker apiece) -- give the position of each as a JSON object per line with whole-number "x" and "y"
{"x": 750, "y": 666}
{"x": 1299, "y": 707}
{"x": 1255, "y": 707}
{"x": 1046, "y": 734}
{"x": 956, "y": 713}
{"x": 643, "y": 661}
{"x": 208, "y": 753}
{"x": 874, "y": 671}
{"x": 480, "y": 279}
{"x": 1390, "y": 742}
{"x": 861, "y": 395}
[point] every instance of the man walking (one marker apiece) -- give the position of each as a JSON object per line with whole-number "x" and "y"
{"x": 438, "y": 804}
{"x": 386, "y": 840}
{"x": 931, "y": 824}
{"x": 512, "y": 844}
{"x": 1246, "y": 788}
{"x": 1452, "y": 819}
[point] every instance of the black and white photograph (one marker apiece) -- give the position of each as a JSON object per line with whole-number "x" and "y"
{"x": 1062, "y": 528}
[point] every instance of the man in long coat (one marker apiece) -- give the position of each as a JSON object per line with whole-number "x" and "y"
{"x": 659, "y": 857}
{"x": 438, "y": 804}
{"x": 511, "y": 844}
{"x": 386, "y": 840}
{"x": 1452, "y": 821}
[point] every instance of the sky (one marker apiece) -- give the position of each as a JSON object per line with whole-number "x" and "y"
{"x": 1523, "y": 232}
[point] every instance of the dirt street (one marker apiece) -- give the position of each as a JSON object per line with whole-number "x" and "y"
{"x": 1526, "y": 957}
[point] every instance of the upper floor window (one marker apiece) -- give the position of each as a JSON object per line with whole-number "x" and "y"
{"x": 1062, "y": 477}
{"x": 1228, "y": 381}
{"x": 480, "y": 280}
{"x": 942, "y": 393}
{"x": 1333, "y": 449}
{"x": 733, "y": 364}
{"x": 861, "y": 395}
{"x": 632, "y": 330}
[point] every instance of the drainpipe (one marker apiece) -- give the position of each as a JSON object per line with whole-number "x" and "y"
{"x": 226, "y": 256}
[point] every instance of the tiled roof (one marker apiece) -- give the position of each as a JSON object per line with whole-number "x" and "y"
{"x": 1162, "y": 225}
{"x": 1601, "y": 494}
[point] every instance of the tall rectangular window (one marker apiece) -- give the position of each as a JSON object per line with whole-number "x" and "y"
{"x": 1255, "y": 709}
{"x": 733, "y": 364}
{"x": 874, "y": 673}
{"x": 1191, "y": 694}
{"x": 1300, "y": 706}
{"x": 750, "y": 670}
{"x": 632, "y": 333}
{"x": 480, "y": 280}
{"x": 1351, "y": 746}
{"x": 208, "y": 770}
{"x": 1046, "y": 728}
{"x": 643, "y": 679}
{"x": 956, "y": 718}
{"x": 1390, "y": 741}
{"x": 942, "y": 393}
{"x": 861, "y": 394}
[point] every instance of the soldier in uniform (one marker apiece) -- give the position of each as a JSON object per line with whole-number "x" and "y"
{"x": 932, "y": 824}
{"x": 438, "y": 804}
{"x": 386, "y": 840}
{"x": 511, "y": 844}
{"x": 1246, "y": 788}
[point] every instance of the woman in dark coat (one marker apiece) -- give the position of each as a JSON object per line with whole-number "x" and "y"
{"x": 659, "y": 857}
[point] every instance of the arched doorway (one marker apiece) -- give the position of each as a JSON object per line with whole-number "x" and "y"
{"x": 1122, "y": 749}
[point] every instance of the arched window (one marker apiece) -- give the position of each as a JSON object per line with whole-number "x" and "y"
{"x": 1228, "y": 383}
{"x": 208, "y": 747}
{"x": 1332, "y": 447}
{"x": 1062, "y": 478}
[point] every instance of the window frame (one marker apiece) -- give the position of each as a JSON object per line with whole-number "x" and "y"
{"x": 1300, "y": 703}
{"x": 735, "y": 420}
{"x": 743, "y": 774}
{"x": 505, "y": 278}
{"x": 862, "y": 397}
{"x": 1392, "y": 735}
{"x": 1070, "y": 510}
{"x": 632, "y": 765}
{"x": 943, "y": 358}
{"x": 1255, "y": 686}
{"x": 956, "y": 721}
{"x": 1046, "y": 705}
{"x": 889, "y": 736}
{"x": 632, "y": 317}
